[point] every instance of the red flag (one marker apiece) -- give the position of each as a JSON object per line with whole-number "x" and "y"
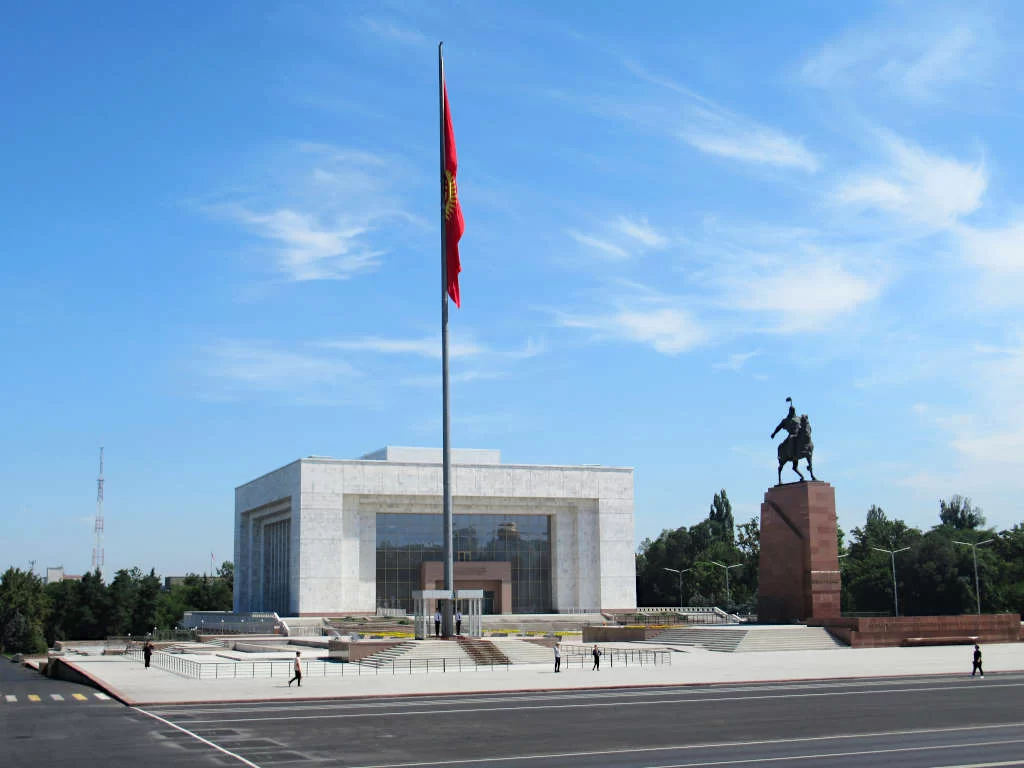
{"x": 454, "y": 226}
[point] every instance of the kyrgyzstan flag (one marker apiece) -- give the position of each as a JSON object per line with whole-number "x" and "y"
{"x": 454, "y": 226}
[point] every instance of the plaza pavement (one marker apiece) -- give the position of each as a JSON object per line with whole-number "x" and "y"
{"x": 127, "y": 679}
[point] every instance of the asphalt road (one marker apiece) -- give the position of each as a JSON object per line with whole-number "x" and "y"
{"x": 938, "y": 721}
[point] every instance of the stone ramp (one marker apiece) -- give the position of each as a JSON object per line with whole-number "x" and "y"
{"x": 750, "y": 639}
{"x": 524, "y": 651}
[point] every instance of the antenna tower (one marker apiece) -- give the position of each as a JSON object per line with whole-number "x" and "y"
{"x": 97, "y": 550}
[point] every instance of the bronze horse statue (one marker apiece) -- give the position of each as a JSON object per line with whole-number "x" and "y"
{"x": 797, "y": 445}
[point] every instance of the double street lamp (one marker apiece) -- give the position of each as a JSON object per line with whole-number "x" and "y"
{"x": 680, "y": 573}
{"x": 974, "y": 551}
{"x": 726, "y": 568}
{"x": 892, "y": 554}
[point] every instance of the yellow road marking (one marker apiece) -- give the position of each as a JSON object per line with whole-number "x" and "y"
{"x": 78, "y": 696}
{"x": 33, "y": 697}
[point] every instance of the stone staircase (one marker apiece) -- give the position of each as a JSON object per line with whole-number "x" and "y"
{"x": 747, "y": 640}
{"x": 725, "y": 640}
{"x": 789, "y": 639}
{"x": 419, "y": 652}
{"x": 525, "y": 651}
{"x": 482, "y": 651}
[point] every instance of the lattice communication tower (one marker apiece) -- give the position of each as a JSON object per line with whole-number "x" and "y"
{"x": 97, "y": 549}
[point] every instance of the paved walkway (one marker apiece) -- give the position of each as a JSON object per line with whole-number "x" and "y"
{"x": 129, "y": 681}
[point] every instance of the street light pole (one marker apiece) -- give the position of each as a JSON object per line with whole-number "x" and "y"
{"x": 892, "y": 554}
{"x": 685, "y": 570}
{"x": 974, "y": 551}
{"x": 726, "y": 568}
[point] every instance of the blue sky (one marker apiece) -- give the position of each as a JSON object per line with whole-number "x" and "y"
{"x": 221, "y": 253}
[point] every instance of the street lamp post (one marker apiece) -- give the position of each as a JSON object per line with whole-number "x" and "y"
{"x": 974, "y": 551}
{"x": 726, "y": 568}
{"x": 680, "y": 573}
{"x": 892, "y": 554}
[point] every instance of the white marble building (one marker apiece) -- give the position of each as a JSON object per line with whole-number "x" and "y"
{"x": 327, "y": 536}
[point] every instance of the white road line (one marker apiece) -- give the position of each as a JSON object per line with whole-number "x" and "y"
{"x": 102, "y": 696}
{"x": 56, "y": 697}
{"x": 825, "y": 755}
{"x": 721, "y": 745}
{"x": 983, "y": 765}
{"x": 589, "y": 705}
{"x": 11, "y": 697}
{"x": 209, "y": 743}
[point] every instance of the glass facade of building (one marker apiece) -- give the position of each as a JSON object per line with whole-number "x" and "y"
{"x": 405, "y": 541}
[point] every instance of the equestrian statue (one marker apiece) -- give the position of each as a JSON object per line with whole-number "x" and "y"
{"x": 797, "y": 444}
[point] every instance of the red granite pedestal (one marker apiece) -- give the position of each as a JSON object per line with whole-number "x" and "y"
{"x": 798, "y": 578}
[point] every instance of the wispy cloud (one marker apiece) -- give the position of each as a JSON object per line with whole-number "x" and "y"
{"x": 462, "y": 377}
{"x": 668, "y": 330}
{"x": 605, "y": 248}
{"x": 716, "y": 130}
{"x": 262, "y": 366}
{"x": 388, "y": 30}
{"x": 429, "y": 346}
{"x": 641, "y": 231}
{"x": 322, "y": 212}
{"x": 735, "y": 361}
{"x": 921, "y": 58}
{"x": 918, "y": 185}
{"x": 800, "y": 297}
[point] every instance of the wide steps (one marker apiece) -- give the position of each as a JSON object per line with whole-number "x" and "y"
{"x": 420, "y": 651}
{"x": 525, "y": 651}
{"x": 749, "y": 640}
{"x": 482, "y": 651}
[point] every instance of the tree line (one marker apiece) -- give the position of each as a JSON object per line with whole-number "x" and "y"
{"x": 935, "y": 569}
{"x": 34, "y": 615}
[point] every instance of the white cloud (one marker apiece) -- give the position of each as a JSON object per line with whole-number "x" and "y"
{"x": 752, "y": 144}
{"x": 667, "y": 330}
{"x": 426, "y": 347}
{"x": 641, "y": 231}
{"x": 926, "y": 188}
{"x": 802, "y": 297}
{"x": 713, "y": 129}
{"x": 605, "y": 247}
{"x": 735, "y": 361}
{"x": 326, "y": 213}
{"x": 388, "y": 30}
{"x": 462, "y": 377}
{"x": 999, "y": 251}
{"x": 263, "y": 366}
{"x": 921, "y": 57}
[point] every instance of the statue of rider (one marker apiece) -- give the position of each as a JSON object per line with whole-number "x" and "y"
{"x": 790, "y": 423}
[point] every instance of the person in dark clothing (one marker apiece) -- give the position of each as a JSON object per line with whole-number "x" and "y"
{"x": 458, "y": 623}
{"x": 558, "y": 658}
{"x": 977, "y": 662}
{"x": 147, "y": 653}
{"x": 437, "y": 624}
{"x": 298, "y": 671}
{"x": 597, "y": 658}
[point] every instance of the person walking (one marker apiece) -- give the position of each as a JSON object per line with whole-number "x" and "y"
{"x": 976, "y": 667}
{"x": 437, "y": 623}
{"x": 298, "y": 671}
{"x": 458, "y": 623}
{"x": 558, "y": 657}
{"x": 597, "y": 658}
{"x": 147, "y": 653}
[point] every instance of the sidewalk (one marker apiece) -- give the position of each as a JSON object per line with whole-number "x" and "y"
{"x": 130, "y": 682}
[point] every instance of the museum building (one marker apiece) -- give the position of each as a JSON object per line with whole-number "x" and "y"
{"x": 325, "y": 536}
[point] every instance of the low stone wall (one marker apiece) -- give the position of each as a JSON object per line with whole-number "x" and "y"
{"x": 595, "y": 634}
{"x": 889, "y": 631}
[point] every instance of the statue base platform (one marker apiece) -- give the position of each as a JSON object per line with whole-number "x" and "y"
{"x": 798, "y": 576}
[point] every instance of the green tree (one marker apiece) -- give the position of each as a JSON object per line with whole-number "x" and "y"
{"x": 144, "y": 618}
{"x": 23, "y": 611}
{"x": 958, "y": 512}
{"x": 720, "y": 515}
{"x": 90, "y": 610}
{"x": 122, "y": 601}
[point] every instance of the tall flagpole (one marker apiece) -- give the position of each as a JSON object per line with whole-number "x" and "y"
{"x": 446, "y": 449}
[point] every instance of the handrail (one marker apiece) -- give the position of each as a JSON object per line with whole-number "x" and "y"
{"x": 204, "y": 670}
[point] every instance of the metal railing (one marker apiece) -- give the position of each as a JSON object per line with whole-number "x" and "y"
{"x": 210, "y": 670}
{"x": 611, "y": 656}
